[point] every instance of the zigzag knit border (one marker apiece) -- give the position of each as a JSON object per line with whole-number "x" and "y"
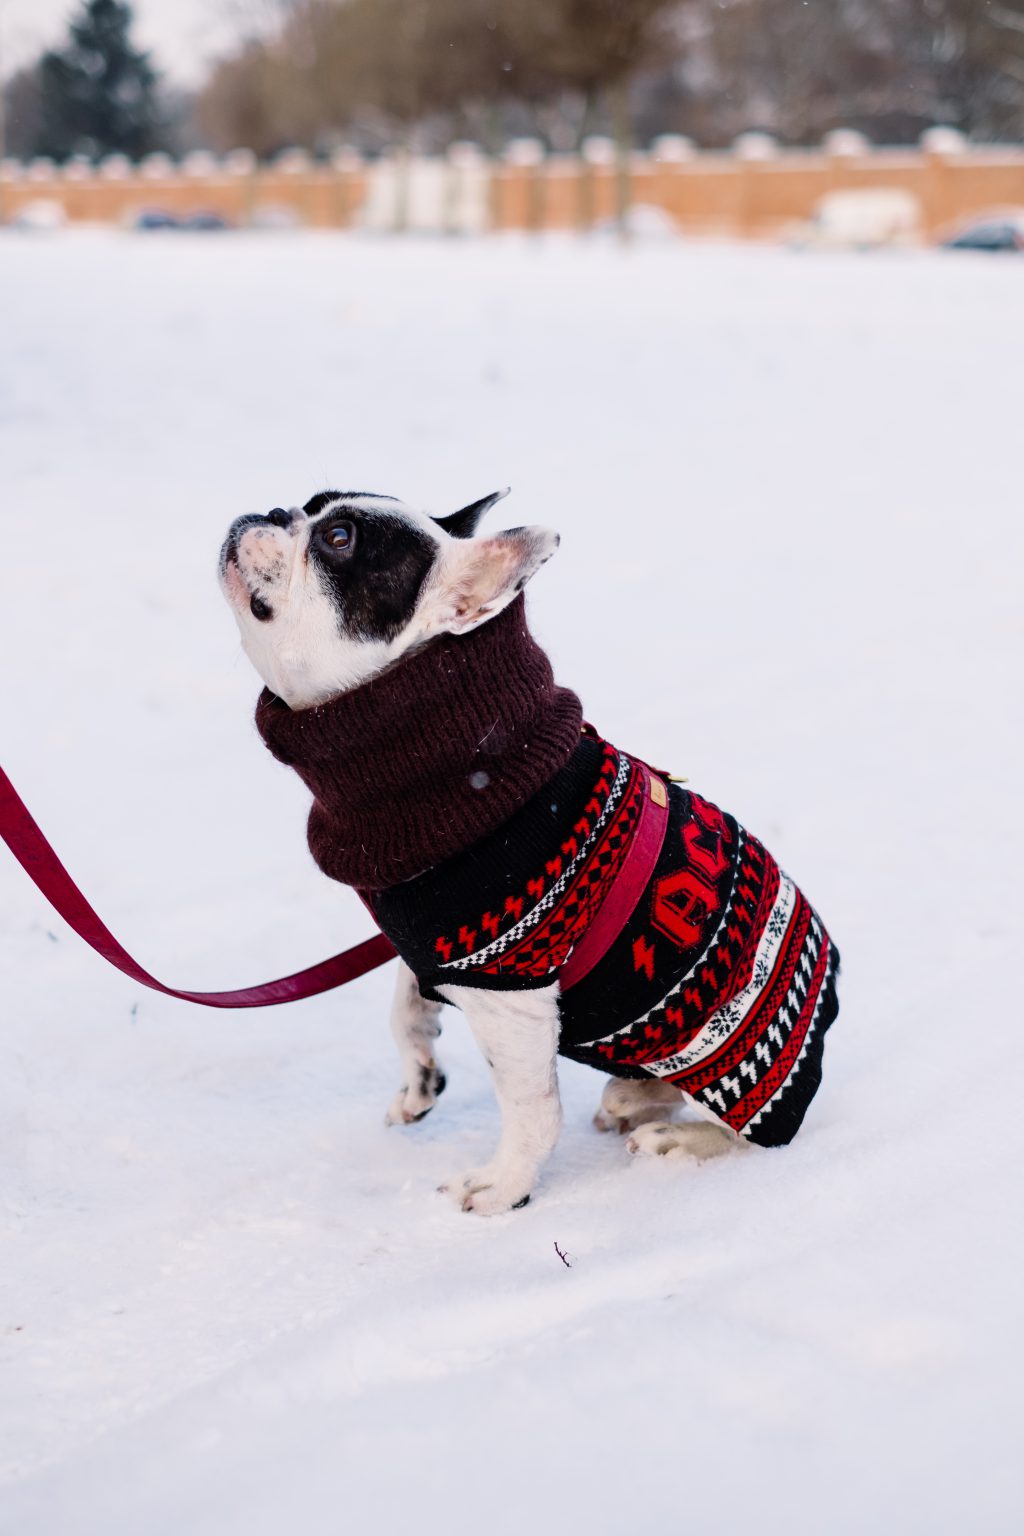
{"x": 548, "y": 900}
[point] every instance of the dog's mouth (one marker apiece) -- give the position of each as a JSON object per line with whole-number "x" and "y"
{"x": 239, "y": 593}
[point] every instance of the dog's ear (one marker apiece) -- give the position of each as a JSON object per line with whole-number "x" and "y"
{"x": 462, "y": 524}
{"x": 479, "y": 577}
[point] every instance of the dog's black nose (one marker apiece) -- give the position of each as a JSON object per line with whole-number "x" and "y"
{"x": 280, "y": 518}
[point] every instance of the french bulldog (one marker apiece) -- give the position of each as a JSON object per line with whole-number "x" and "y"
{"x": 343, "y": 594}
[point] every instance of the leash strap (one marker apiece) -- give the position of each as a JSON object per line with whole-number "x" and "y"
{"x": 41, "y": 864}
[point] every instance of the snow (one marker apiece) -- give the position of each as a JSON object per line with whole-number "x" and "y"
{"x": 789, "y": 493}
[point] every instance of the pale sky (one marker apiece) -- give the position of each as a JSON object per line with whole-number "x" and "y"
{"x": 183, "y": 34}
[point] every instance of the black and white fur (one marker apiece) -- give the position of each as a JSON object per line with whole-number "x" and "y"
{"x": 326, "y": 597}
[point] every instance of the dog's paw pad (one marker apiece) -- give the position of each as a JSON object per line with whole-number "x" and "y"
{"x": 494, "y": 1201}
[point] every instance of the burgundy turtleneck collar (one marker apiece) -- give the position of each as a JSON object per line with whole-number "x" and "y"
{"x": 424, "y": 760}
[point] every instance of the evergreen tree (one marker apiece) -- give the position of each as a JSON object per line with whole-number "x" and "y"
{"x": 98, "y": 94}
{"x": 19, "y": 113}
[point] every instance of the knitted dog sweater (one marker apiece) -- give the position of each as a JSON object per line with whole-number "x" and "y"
{"x": 457, "y": 792}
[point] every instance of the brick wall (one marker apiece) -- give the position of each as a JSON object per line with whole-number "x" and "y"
{"x": 754, "y": 190}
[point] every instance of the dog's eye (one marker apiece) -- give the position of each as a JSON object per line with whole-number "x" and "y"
{"x": 339, "y": 536}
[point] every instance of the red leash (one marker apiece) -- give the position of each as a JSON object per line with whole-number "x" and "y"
{"x": 42, "y": 865}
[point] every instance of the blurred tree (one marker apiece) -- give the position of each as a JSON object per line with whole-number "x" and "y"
{"x": 888, "y": 67}
{"x": 596, "y": 47}
{"x": 21, "y": 113}
{"x": 383, "y": 71}
{"x": 792, "y": 69}
{"x": 368, "y": 59}
{"x": 973, "y": 64}
{"x": 477, "y": 67}
{"x": 399, "y": 72}
{"x": 98, "y": 94}
{"x": 329, "y": 64}
{"x": 400, "y": 62}
{"x": 250, "y": 101}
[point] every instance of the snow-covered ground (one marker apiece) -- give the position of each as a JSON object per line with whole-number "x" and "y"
{"x": 790, "y": 494}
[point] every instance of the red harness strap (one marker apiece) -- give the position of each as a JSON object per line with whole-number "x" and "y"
{"x": 629, "y": 885}
{"x": 41, "y": 864}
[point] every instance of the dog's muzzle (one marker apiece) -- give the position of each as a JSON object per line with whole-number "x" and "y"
{"x": 278, "y": 517}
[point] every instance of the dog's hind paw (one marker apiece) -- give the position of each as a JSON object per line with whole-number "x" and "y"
{"x": 416, "y": 1099}
{"x": 628, "y": 1103}
{"x": 667, "y": 1139}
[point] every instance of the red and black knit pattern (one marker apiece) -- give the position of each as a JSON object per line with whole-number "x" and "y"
{"x": 535, "y": 939}
{"x": 722, "y": 980}
{"x": 740, "y": 1056}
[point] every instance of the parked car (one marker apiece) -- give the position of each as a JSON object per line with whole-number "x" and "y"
{"x": 161, "y": 218}
{"x": 274, "y": 216}
{"x": 205, "y": 219}
{"x": 41, "y": 215}
{"x": 994, "y": 232}
{"x": 154, "y": 218}
{"x": 861, "y": 219}
{"x": 644, "y": 221}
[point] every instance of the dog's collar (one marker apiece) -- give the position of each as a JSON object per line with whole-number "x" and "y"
{"x": 421, "y": 762}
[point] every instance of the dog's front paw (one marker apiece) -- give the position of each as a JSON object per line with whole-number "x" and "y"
{"x": 416, "y": 1099}
{"x": 486, "y": 1192}
{"x": 667, "y": 1139}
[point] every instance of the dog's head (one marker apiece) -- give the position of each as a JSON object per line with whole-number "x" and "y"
{"x": 328, "y": 595}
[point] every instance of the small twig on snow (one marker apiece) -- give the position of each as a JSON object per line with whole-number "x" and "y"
{"x": 565, "y": 1257}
